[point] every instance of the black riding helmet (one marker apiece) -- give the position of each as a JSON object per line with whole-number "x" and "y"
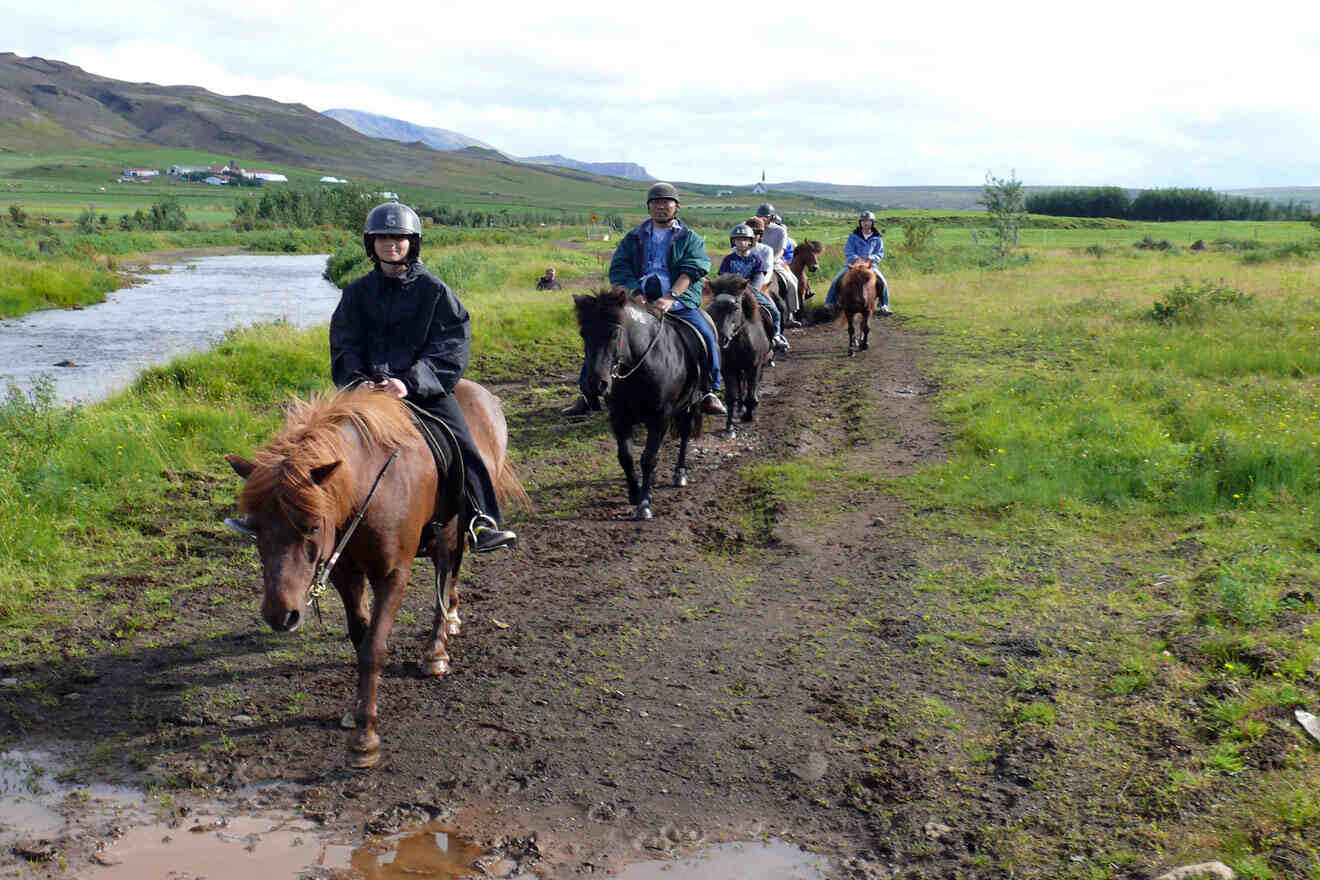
{"x": 662, "y": 191}
{"x": 393, "y": 218}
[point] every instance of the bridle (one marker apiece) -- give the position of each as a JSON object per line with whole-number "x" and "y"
{"x": 321, "y": 573}
{"x": 615, "y": 375}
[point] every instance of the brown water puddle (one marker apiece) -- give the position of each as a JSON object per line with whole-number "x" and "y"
{"x": 42, "y": 810}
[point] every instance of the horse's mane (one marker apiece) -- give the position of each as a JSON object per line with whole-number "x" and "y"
{"x": 728, "y": 284}
{"x": 607, "y": 305}
{"x": 312, "y": 437}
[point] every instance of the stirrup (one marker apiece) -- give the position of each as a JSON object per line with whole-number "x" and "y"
{"x": 480, "y": 519}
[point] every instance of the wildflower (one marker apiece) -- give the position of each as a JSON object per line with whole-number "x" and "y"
{"x": 1228, "y": 666}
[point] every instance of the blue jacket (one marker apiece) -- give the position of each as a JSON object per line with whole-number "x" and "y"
{"x": 687, "y": 256}
{"x": 859, "y": 248}
{"x": 748, "y": 267}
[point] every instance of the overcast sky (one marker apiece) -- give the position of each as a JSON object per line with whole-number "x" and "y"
{"x": 884, "y": 94}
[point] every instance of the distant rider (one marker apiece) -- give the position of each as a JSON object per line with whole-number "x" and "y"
{"x": 865, "y": 243}
{"x": 401, "y": 331}
{"x": 663, "y": 261}
{"x": 775, "y": 237}
{"x": 744, "y": 261}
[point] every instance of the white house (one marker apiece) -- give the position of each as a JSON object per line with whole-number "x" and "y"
{"x": 140, "y": 172}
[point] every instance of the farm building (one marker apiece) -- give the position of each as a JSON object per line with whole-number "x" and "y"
{"x": 268, "y": 176}
{"x": 140, "y": 172}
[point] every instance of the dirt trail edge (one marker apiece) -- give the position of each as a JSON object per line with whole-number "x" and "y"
{"x": 748, "y": 663}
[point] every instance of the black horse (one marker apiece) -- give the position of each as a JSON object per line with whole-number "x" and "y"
{"x": 744, "y": 331}
{"x": 639, "y": 365}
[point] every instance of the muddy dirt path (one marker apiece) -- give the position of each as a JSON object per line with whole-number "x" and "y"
{"x": 737, "y": 667}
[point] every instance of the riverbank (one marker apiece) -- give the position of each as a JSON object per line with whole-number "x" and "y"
{"x": 53, "y": 267}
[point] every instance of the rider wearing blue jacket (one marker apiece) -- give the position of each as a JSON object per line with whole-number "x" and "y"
{"x": 750, "y": 264}
{"x": 865, "y": 243}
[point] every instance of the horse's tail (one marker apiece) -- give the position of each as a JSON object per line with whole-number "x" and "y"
{"x": 509, "y": 489}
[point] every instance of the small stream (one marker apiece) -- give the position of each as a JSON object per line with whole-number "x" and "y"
{"x": 186, "y": 308}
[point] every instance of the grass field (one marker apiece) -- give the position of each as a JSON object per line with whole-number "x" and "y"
{"x": 1134, "y": 438}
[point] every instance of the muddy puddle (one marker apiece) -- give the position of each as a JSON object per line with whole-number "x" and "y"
{"x": 93, "y": 352}
{"x": 108, "y": 832}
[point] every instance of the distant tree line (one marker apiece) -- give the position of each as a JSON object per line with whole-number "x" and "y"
{"x": 1161, "y": 204}
{"x": 343, "y": 205}
{"x": 445, "y": 215}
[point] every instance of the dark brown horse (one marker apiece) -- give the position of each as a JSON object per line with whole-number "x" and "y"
{"x": 806, "y": 258}
{"x": 857, "y": 296}
{"x": 744, "y": 332}
{"x": 304, "y": 487}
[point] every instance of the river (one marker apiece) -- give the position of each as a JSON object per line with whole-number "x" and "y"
{"x": 186, "y": 308}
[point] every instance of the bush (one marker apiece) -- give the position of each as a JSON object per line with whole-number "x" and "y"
{"x": 916, "y": 233}
{"x": 18, "y": 215}
{"x": 1150, "y": 244}
{"x": 1187, "y": 302}
{"x": 1096, "y": 250}
{"x": 87, "y": 221}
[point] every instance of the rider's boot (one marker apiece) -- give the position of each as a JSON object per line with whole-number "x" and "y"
{"x": 885, "y": 310}
{"x": 781, "y": 344}
{"x": 487, "y": 535}
{"x": 579, "y": 407}
{"x": 712, "y": 406}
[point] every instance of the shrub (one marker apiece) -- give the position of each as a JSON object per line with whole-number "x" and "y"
{"x": 1187, "y": 301}
{"x": 1096, "y": 250}
{"x": 1150, "y": 244}
{"x": 916, "y": 233}
{"x": 87, "y": 221}
{"x": 18, "y": 215}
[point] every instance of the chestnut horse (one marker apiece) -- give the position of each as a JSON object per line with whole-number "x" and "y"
{"x": 858, "y": 295}
{"x": 806, "y": 258}
{"x": 305, "y": 486}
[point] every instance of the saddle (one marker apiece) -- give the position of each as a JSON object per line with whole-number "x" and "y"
{"x": 693, "y": 340}
{"x": 767, "y": 319}
{"x": 448, "y": 465}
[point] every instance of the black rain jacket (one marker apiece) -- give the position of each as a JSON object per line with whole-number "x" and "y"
{"x": 411, "y": 328}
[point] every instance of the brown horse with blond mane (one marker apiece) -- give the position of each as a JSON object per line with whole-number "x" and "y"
{"x": 858, "y": 295}
{"x": 334, "y": 455}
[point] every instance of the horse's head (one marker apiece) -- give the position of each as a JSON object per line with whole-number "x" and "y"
{"x": 732, "y": 307}
{"x": 300, "y": 487}
{"x": 292, "y": 530}
{"x": 811, "y": 251}
{"x": 607, "y": 321}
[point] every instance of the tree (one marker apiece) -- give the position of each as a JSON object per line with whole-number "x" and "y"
{"x": 1006, "y": 203}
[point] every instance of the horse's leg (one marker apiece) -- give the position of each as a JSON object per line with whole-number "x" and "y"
{"x": 655, "y": 435}
{"x": 364, "y": 747}
{"x": 624, "y": 441}
{"x": 351, "y": 584}
{"x": 752, "y": 396}
{"x": 684, "y": 434}
{"x": 730, "y": 398}
{"x": 866, "y": 330}
{"x": 852, "y": 335}
{"x": 435, "y": 660}
{"x": 453, "y": 624}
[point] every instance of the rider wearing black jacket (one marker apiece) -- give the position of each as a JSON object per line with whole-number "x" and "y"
{"x": 402, "y": 331}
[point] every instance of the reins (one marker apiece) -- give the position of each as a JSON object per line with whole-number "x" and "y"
{"x": 321, "y": 574}
{"x": 614, "y": 372}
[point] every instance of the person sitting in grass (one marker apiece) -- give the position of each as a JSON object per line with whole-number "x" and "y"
{"x": 548, "y": 281}
{"x": 745, "y": 261}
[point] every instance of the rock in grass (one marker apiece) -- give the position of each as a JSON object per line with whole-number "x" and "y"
{"x": 1309, "y": 722}
{"x": 1203, "y": 871}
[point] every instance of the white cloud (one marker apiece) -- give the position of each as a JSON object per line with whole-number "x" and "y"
{"x": 1129, "y": 93}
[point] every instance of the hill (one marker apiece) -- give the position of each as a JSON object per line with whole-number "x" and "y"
{"x": 626, "y": 170}
{"x": 53, "y": 107}
{"x": 373, "y": 125}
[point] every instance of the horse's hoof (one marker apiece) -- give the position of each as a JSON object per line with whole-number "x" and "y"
{"x": 680, "y": 479}
{"x": 363, "y": 760}
{"x": 436, "y": 666}
{"x": 453, "y": 627}
{"x": 643, "y": 512}
{"x": 851, "y": 352}
{"x": 348, "y": 722}
{"x": 748, "y": 416}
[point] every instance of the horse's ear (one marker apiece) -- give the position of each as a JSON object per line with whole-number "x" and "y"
{"x": 241, "y": 465}
{"x": 322, "y": 472}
